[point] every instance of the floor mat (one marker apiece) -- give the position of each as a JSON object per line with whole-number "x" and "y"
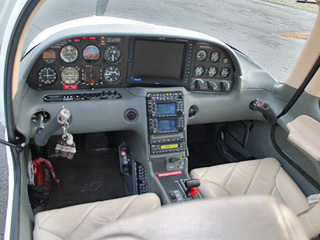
{"x": 86, "y": 178}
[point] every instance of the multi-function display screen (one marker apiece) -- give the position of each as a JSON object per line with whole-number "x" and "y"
{"x": 165, "y": 125}
{"x": 158, "y": 59}
{"x": 166, "y": 109}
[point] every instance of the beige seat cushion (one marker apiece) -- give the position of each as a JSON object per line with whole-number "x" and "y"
{"x": 244, "y": 217}
{"x": 78, "y": 221}
{"x": 263, "y": 176}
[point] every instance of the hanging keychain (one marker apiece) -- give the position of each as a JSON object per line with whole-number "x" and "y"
{"x": 66, "y": 147}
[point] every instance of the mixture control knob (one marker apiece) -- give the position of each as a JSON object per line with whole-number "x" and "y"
{"x": 225, "y": 86}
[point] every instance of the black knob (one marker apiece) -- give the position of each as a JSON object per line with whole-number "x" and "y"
{"x": 179, "y": 112}
{"x": 192, "y": 112}
{"x": 180, "y": 129}
{"x": 173, "y": 160}
{"x": 225, "y": 86}
{"x": 192, "y": 183}
{"x": 131, "y": 115}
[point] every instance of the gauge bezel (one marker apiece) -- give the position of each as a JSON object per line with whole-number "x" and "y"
{"x": 91, "y": 60}
{"x": 66, "y": 68}
{"x": 217, "y": 71}
{"x": 64, "y": 59}
{"x": 205, "y": 55}
{"x": 104, "y": 74}
{"x": 54, "y": 80}
{"x": 229, "y": 72}
{"x": 105, "y": 51}
{"x": 96, "y": 82}
{"x": 217, "y": 58}
{"x": 204, "y": 70}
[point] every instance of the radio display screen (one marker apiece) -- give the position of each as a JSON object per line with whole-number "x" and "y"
{"x": 165, "y": 125}
{"x": 166, "y": 109}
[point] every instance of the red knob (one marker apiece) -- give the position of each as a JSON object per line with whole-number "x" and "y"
{"x": 193, "y": 192}
{"x": 123, "y": 153}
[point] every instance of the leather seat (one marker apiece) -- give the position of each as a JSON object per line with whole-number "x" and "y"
{"x": 263, "y": 176}
{"x": 244, "y": 217}
{"x": 76, "y": 222}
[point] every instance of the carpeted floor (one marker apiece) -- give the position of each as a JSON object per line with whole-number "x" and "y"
{"x": 86, "y": 178}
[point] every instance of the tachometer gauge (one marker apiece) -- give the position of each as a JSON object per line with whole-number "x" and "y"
{"x": 69, "y": 75}
{"x": 215, "y": 56}
{"x": 225, "y": 72}
{"x": 91, "y": 75}
{"x": 47, "y": 76}
{"x": 199, "y": 71}
{"x": 69, "y": 53}
{"x": 112, "y": 53}
{"x": 201, "y": 55}
{"x": 112, "y": 74}
{"x": 91, "y": 53}
{"x": 212, "y": 71}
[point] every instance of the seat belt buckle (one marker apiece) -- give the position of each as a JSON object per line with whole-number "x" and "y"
{"x": 315, "y": 198}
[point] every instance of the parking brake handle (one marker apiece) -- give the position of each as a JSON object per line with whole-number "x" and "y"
{"x": 265, "y": 108}
{"x": 45, "y": 131}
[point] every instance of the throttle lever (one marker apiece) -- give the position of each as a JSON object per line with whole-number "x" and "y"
{"x": 264, "y": 107}
{"x": 44, "y": 132}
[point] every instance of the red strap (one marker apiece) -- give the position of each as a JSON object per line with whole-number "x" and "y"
{"x": 37, "y": 164}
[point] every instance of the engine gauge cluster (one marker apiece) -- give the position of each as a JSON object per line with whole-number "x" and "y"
{"x": 213, "y": 70}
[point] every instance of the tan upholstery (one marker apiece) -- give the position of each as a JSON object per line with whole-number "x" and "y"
{"x": 250, "y": 217}
{"x": 78, "y": 221}
{"x": 304, "y": 133}
{"x": 264, "y": 176}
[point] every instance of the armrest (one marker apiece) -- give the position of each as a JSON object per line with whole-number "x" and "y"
{"x": 304, "y": 133}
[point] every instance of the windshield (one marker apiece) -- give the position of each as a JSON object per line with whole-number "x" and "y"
{"x": 272, "y": 33}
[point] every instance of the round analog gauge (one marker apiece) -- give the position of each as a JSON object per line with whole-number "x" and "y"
{"x": 201, "y": 55}
{"x": 91, "y": 75}
{"x": 91, "y": 53}
{"x": 215, "y": 56}
{"x": 69, "y": 53}
{"x": 225, "y": 60}
{"x": 212, "y": 71}
{"x": 47, "y": 76}
{"x": 199, "y": 71}
{"x": 112, "y": 74}
{"x": 112, "y": 53}
{"x": 225, "y": 72}
{"x": 69, "y": 75}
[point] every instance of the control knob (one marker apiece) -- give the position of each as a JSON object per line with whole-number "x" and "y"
{"x": 225, "y": 86}
{"x": 198, "y": 85}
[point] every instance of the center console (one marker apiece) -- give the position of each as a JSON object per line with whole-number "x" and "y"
{"x": 166, "y": 122}
{"x": 167, "y": 142}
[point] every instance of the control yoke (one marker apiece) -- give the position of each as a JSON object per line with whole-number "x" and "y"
{"x": 45, "y": 131}
{"x": 265, "y": 108}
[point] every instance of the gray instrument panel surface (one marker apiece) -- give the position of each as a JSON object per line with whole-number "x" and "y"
{"x": 108, "y": 115}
